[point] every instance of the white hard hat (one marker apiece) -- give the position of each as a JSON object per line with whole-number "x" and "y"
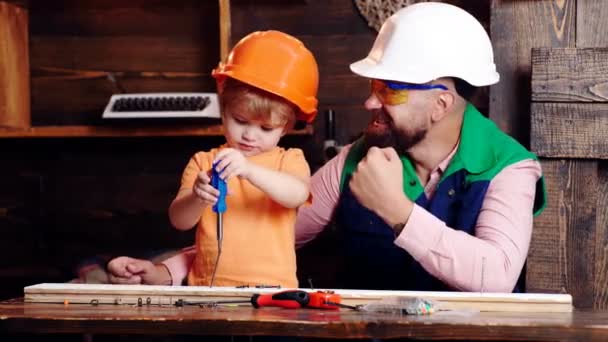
{"x": 429, "y": 40}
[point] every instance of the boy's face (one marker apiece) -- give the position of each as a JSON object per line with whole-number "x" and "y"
{"x": 249, "y": 136}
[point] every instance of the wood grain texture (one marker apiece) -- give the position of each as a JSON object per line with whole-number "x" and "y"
{"x": 562, "y": 253}
{"x": 570, "y": 75}
{"x": 159, "y": 18}
{"x": 546, "y": 264}
{"x": 591, "y": 24}
{"x": 14, "y": 66}
{"x": 122, "y": 319}
{"x": 515, "y": 28}
{"x": 600, "y": 286}
{"x": 569, "y": 130}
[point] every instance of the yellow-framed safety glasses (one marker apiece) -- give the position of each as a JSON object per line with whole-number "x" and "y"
{"x": 394, "y": 93}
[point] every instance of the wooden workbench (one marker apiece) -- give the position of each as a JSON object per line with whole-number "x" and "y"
{"x": 17, "y": 316}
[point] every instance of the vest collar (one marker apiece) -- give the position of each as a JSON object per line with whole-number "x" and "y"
{"x": 474, "y": 150}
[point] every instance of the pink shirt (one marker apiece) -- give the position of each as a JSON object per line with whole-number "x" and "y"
{"x": 498, "y": 249}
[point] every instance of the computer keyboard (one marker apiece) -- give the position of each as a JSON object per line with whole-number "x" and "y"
{"x": 162, "y": 105}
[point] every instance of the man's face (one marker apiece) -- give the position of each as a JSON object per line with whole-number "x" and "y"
{"x": 400, "y": 126}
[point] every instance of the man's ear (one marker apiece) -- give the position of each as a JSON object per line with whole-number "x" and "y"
{"x": 443, "y": 105}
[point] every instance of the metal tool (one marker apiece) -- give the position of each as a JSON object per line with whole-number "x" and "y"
{"x": 219, "y": 208}
{"x": 340, "y": 305}
{"x": 290, "y": 299}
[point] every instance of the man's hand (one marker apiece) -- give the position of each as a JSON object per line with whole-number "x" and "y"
{"x": 126, "y": 270}
{"x": 377, "y": 183}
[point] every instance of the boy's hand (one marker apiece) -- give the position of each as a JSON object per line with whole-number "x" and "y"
{"x": 232, "y": 163}
{"x": 126, "y": 270}
{"x": 203, "y": 189}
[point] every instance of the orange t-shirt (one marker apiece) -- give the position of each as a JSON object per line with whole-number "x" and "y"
{"x": 258, "y": 244}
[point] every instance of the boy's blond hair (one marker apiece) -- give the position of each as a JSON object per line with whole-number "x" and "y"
{"x": 257, "y": 104}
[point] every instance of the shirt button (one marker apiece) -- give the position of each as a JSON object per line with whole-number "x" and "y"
{"x": 412, "y": 182}
{"x": 451, "y": 192}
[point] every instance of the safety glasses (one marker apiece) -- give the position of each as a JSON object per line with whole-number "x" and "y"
{"x": 394, "y": 93}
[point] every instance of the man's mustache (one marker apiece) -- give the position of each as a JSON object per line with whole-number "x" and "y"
{"x": 380, "y": 116}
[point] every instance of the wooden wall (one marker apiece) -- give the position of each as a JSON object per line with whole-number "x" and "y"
{"x": 566, "y": 85}
{"x": 569, "y": 131}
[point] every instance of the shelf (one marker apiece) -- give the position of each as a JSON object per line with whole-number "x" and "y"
{"x": 15, "y": 107}
{"x": 116, "y": 131}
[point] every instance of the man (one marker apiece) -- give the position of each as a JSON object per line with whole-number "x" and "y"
{"x": 434, "y": 196}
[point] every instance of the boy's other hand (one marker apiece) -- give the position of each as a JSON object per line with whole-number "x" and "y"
{"x": 231, "y": 163}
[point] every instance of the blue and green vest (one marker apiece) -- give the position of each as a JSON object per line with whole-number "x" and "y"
{"x": 371, "y": 259}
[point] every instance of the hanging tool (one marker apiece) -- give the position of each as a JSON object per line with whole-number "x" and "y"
{"x": 219, "y": 208}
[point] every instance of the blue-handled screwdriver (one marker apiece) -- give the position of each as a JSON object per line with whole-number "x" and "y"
{"x": 219, "y": 208}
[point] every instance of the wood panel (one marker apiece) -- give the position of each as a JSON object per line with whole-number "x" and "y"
{"x": 570, "y": 75}
{"x": 515, "y": 28}
{"x": 14, "y": 68}
{"x": 563, "y": 245}
{"x": 600, "y": 288}
{"x": 591, "y": 24}
{"x": 193, "y": 19}
{"x": 570, "y": 130}
{"x": 572, "y": 127}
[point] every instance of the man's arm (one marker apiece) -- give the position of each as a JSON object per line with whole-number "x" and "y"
{"x": 325, "y": 190}
{"x": 179, "y": 265}
{"x": 492, "y": 259}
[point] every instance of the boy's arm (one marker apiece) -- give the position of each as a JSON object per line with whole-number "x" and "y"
{"x": 185, "y": 210}
{"x": 290, "y": 186}
{"x": 287, "y": 190}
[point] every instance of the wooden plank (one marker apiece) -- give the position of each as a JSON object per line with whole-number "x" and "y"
{"x": 600, "y": 290}
{"x": 14, "y": 67}
{"x": 546, "y": 263}
{"x": 515, "y": 28}
{"x": 39, "y": 318}
{"x": 570, "y": 130}
{"x": 570, "y": 75}
{"x": 115, "y": 131}
{"x": 167, "y": 295}
{"x": 562, "y": 252}
{"x": 161, "y": 18}
{"x": 124, "y": 53}
{"x": 591, "y": 23}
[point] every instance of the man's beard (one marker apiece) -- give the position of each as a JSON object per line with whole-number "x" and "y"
{"x": 381, "y": 132}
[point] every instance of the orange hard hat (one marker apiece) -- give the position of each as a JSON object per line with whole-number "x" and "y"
{"x": 277, "y": 63}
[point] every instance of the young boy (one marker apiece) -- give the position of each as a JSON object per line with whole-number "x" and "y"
{"x": 269, "y": 81}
